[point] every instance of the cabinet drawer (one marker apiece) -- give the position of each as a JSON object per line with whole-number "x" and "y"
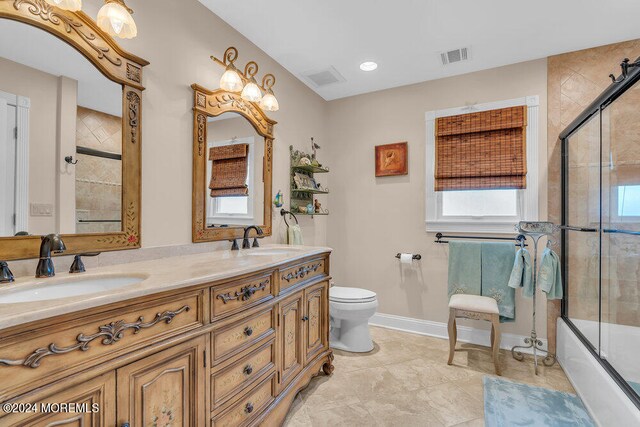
{"x": 229, "y": 299}
{"x": 54, "y": 350}
{"x": 247, "y": 408}
{"x": 235, "y": 378}
{"x": 242, "y": 334}
{"x": 300, "y": 273}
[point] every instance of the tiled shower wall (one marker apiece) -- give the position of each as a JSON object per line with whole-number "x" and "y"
{"x": 574, "y": 80}
{"x": 98, "y": 180}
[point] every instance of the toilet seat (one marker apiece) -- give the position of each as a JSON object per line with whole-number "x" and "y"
{"x": 350, "y": 295}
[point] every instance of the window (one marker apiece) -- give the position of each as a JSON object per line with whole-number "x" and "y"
{"x": 482, "y": 211}
{"x": 222, "y": 209}
{"x": 628, "y": 208}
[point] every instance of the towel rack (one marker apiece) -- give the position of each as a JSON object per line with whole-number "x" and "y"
{"x": 284, "y": 214}
{"x": 535, "y": 230}
{"x": 520, "y": 239}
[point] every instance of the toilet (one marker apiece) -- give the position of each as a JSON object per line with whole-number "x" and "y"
{"x": 350, "y": 310}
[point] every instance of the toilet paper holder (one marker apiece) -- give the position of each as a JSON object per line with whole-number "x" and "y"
{"x": 414, "y": 256}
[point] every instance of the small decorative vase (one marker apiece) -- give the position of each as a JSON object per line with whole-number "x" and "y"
{"x": 278, "y": 201}
{"x": 310, "y": 209}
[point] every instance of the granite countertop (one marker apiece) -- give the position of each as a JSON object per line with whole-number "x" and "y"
{"x": 158, "y": 275}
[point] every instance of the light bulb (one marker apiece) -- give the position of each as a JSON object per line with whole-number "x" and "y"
{"x": 231, "y": 80}
{"x": 269, "y": 102}
{"x": 116, "y": 21}
{"x": 251, "y": 92}
{"x": 71, "y": 5}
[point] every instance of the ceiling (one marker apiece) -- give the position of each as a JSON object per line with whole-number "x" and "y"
{"x": 405, "y": 37}
{"x": 38, "y": 49}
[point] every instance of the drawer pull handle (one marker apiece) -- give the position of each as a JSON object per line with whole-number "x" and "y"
{"x": 109, "y": 334}
{"x": 248, "y": 370}
{"x": 125, "y": 425}
{"x": 305, "y": 318}
{"x": 248, "y": 408}
{"x": 248, "y": 331}
{"x": 301, "y": 272}
{"x": 245, "y": 293}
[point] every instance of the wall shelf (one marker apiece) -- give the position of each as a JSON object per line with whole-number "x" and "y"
{"x": 308, "y": 190}
{"x": 312, "y": 169}
{"x": 303, "y": 173}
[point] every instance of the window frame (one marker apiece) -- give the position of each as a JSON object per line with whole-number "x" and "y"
{"x": 527, "y": 198}
{"x": 213, "y": 217}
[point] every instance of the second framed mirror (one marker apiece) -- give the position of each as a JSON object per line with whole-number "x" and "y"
{"x": 232, "y": 166}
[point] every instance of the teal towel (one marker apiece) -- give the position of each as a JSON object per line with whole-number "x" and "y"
{"x": 522, "y": 273}
{"x": 483, "y": 269}
{"x": 497, "y": 264}
{"x": 550, "y": 277}
{"x": 465, "y": 269}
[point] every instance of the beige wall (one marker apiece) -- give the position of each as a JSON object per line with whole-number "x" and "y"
{"x": 42, "y": 90}
{"x": 372, "y": 219}
{"x": 178, "y": 37}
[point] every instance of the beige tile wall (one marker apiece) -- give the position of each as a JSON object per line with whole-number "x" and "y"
{"x": 574, "y": 80}
{"x": 98, "y": 180}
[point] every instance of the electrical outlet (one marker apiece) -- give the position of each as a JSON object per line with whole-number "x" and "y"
{"x": 41, "y": 209}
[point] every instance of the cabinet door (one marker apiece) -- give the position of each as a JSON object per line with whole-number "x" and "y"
{"x": 291, "y": 357}
{"x": 165, "y": 389}
{"x": 95, "y": 400}
{"x": 315, "y": 324}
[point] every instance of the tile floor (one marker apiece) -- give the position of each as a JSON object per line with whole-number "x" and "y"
{"x": 405, "y": 381}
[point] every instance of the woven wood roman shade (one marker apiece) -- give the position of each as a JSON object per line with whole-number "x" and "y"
{"x": 229, "y": 170}
{"x": 479, "y": 151}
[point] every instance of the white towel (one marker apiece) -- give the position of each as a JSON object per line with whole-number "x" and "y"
{"x": 294, "y": 235}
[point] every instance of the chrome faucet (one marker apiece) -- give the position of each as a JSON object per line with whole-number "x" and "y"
{"x": 50, "y": 242}
{"x": 245, "y": 239}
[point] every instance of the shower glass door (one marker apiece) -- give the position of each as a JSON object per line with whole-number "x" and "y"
{"x": 582, "y": 213}
{"x": 620, "y": 296}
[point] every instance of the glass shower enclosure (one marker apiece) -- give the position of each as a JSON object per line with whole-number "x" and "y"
{"x": 601, "y": 229}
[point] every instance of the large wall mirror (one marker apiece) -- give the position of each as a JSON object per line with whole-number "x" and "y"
{"x": 70, "y": 102}
{"x": 232, "y": 159}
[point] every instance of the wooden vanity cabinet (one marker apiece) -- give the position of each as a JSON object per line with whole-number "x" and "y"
{"x": 97, "y": 395}
{"x": 233, "y": 353}
{"x": 290, "y": 338}
{"x": 167, "y": 388}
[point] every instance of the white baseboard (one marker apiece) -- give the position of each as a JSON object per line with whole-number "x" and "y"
{"x": 439, "y": 330}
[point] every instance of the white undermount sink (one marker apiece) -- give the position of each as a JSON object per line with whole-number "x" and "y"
{"x": 54, "y": 289}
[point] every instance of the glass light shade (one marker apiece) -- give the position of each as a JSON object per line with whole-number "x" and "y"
{"x": 72, "y": 5}
{"x": 251, "y": 92}
{"x": 231, "y": 80}
{"x": 269, "y": 102}
{"x": 116, "y": 20}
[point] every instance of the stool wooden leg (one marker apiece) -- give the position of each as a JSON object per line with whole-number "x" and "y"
{"x": 453, "y": 334}
{"x": 493, "y": 336}
{"x": 495, "y": 342}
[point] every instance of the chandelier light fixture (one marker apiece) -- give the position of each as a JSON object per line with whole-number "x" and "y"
{"x": 233, "y": 80}
{"x": 114, "y": 17}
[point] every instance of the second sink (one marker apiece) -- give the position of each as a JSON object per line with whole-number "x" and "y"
{"x": 48, "y": 290}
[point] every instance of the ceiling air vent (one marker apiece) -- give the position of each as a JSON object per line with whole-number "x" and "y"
{"x": 453, "y": 56}
{"x": 321, "y": 78}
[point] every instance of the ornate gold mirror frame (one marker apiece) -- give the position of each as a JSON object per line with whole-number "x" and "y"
{"x": 81, "y": 32}
{"x": 206, "y": 104}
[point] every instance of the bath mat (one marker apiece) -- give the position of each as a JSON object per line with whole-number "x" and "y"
{"x": 507, "y": 403}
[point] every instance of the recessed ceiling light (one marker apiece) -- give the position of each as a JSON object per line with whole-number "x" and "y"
{"x": 368, "y": 66}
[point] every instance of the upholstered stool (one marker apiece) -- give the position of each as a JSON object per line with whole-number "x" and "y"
{"x": 475, "y": 307}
